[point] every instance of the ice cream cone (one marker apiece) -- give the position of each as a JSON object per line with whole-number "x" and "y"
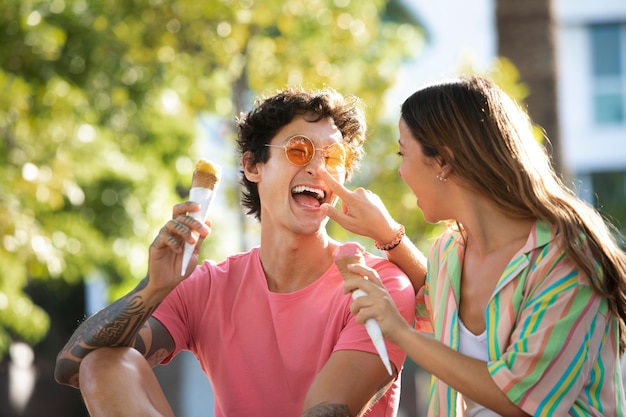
{"x": 342, "y": 264}
{"x": 351, "y": 253}
{"x": 206, "y": 176}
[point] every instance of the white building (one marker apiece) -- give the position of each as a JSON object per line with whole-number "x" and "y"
{"x": 591, "y": 64}
{"x": 592, "y": 98}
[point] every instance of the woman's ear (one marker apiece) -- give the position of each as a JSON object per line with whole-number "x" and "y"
{"x": 444, "y": 161}
{"x": 250, "y": 167}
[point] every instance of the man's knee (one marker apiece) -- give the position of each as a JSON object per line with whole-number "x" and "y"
{"x": 111, "y": 365}
{"x": 120, "y": 382}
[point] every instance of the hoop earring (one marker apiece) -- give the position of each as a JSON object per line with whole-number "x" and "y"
{"x": 440, "y": 178}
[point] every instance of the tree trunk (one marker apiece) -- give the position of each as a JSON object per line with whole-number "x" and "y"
{"x": 526, "y": 38}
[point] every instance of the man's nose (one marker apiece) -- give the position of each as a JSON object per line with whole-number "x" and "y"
{"x": 317, "y": 163}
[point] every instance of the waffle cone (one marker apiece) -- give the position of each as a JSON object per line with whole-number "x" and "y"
{"x": 205, "y": 175}
{"x": 343, "y": 262}
{"x": 203, "y": 179}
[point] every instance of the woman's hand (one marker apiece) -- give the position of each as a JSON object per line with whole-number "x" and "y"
{"x": 377, "y": 304}
{"x": 362, "y": 212}
{"x": 166, "y": 252}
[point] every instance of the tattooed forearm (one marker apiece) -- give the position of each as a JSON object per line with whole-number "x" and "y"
{"x": 328, "y": 410}
{"x": 116, "y": 325}
{"x": 119, "y": 324}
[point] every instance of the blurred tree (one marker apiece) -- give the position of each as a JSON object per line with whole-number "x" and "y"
{"x": 98, "y": 107}
{"x": 526, "y": 37}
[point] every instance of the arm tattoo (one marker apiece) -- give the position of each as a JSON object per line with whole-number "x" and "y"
{"x": 115, "y": 325}
{"x": 328, "y": 410}
{"x": 118, "y": 326}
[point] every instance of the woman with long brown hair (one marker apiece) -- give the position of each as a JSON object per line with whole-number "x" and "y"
{"x": 525, "y": 292}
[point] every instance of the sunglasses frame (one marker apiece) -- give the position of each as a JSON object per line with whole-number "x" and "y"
{"x": 324, "y": 151}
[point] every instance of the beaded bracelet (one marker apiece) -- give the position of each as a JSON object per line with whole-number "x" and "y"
{"x": 395, "y": 242}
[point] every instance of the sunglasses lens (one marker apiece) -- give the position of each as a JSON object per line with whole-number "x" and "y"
{"x": 335, "y": 156}
{"x": 299, "y": 150}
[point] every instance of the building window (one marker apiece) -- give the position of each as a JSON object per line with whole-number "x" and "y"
{"x": 608, "y": 54}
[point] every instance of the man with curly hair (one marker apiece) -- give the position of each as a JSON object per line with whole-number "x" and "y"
{"x": 271, "y": 327}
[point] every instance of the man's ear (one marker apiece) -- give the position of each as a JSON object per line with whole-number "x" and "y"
{"x": 250, "y": 167}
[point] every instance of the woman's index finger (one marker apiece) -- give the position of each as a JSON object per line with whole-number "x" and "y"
{"x": 334, "y": 185}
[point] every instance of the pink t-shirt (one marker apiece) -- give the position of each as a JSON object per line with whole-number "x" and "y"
{"x": 261, "y": 350}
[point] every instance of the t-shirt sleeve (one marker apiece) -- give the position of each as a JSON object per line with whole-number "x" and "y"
{"x": 176, "y": 311}
{"x": 354, "y": 336}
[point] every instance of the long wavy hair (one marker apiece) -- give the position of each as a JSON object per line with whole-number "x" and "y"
{"x": 257, "y": 128}
{"x": 496, "y": 154}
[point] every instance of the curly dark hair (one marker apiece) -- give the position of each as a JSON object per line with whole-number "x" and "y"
{"x": 257, "y": 128}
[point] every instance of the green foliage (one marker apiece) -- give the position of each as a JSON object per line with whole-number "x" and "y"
{"x": 98, "y": 108}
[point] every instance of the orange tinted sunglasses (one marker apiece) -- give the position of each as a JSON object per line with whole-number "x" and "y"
{"x": 300, "y": 151}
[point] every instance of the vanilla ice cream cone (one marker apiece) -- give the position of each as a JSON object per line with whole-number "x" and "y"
{"x": 206, "y": 176}
{"x": 351, "y": 253}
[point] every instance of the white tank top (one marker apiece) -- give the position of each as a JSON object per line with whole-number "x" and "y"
{"x": 474, "y": 346}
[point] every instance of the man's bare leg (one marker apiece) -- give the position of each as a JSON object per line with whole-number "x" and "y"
{"x": 118, "y": 382}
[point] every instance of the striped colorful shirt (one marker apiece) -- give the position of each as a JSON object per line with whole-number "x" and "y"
{"x": 553, "y": 345}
